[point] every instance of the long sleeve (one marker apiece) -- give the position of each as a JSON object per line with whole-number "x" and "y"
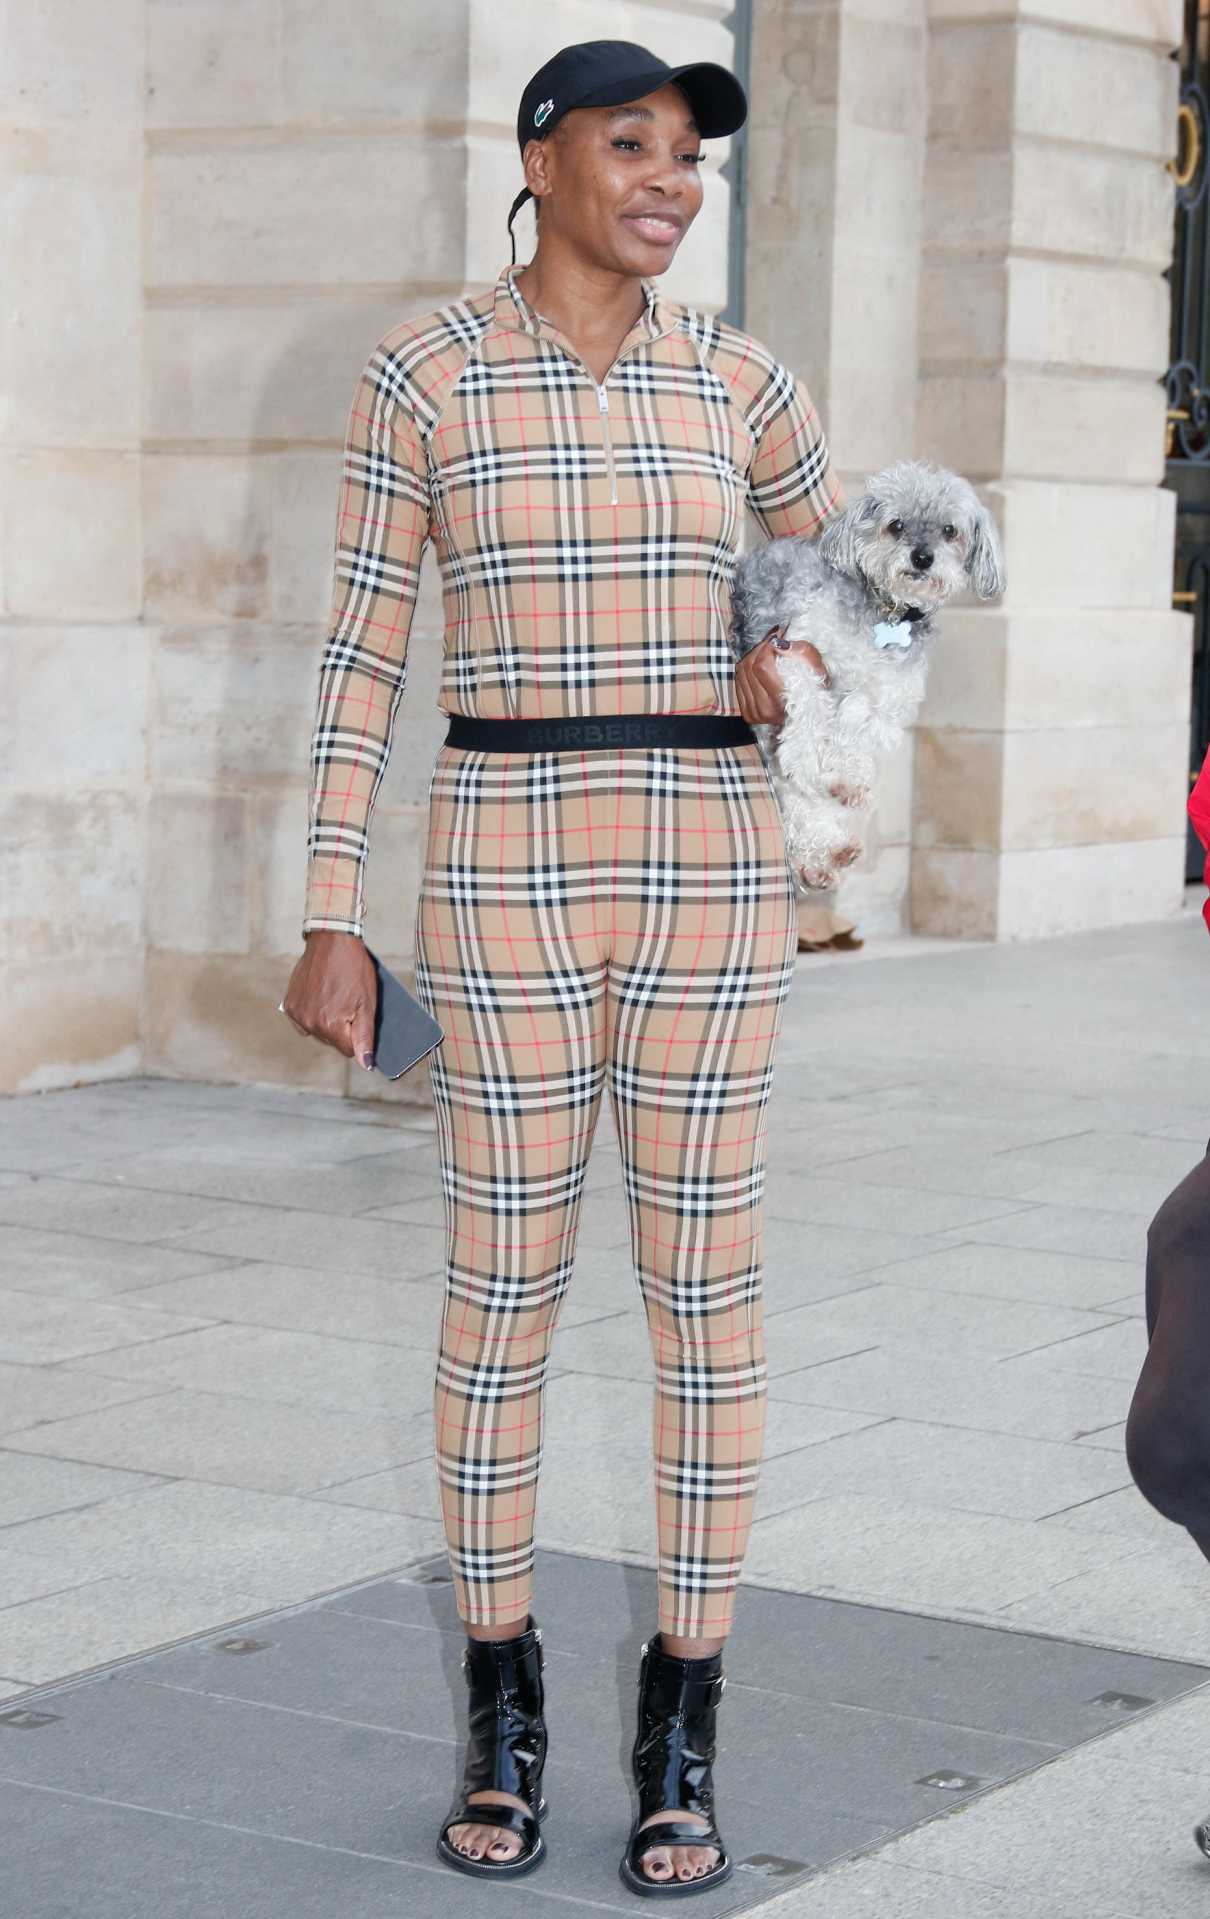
{"x": 792, "y": 486}
{"x": 382, "y": 524}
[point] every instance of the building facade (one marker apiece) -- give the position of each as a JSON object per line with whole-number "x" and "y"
{"x": 953, "y": 218}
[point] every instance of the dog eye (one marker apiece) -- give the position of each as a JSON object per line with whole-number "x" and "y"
{"x": 895, "y": 527}
{"x": 950, "y": 532}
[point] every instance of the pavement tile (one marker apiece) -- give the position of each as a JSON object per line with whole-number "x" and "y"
{"x": 37, "y": 1329}
{"x": 831, "y": 1201}
{"x": 309, "y": 1369}
{"x": 300, "y": 1299}
{"x": 25, "y": 1575}
{"x": 77, "y": 1266}
{"x": 1002, "y": 1272}
{"x": 328, "y": 1242}
{"x": 278, "y": 1547}
{"x": 262, "y": 1445}
{"x": 1070, "y": 1229}
{"x": 965, "y": 1471}
{"x": 30, "y": 1486}
{"x": 1153, "y": 1599}
{"x": 31, "y": 1394}
{"x": 876, "y": 1889}
{"x": 1084, "y": 1829}
{"x": 351, "y": 1185}
{"x": 894, "y": 1551}
{"x": 1111, "y": 1351}
{"x": 111, "y": 1211}
{"x": 915, "y": 1379}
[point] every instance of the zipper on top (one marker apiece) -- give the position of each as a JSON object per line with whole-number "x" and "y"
{"x": 603, "y": 405}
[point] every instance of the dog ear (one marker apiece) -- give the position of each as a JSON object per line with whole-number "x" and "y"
{"x": 838, "y": 543}
{"x": 984, "y": 560}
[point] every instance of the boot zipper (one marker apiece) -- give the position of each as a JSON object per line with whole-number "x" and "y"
{"x": 603, "y": 404}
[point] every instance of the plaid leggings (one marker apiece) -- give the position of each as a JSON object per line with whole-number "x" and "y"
{"x": 620, "y": 917}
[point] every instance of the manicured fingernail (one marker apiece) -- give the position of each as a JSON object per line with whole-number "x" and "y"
{"x": 367, "y": 1060}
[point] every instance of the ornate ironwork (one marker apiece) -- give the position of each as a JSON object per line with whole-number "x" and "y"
{"x": 1187, "y": 381}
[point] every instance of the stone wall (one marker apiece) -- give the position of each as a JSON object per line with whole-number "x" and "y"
{"x": 836, "y": 165}
{"x": 1051, "y": 759}
{"x": 958, "y": 216}
{"x": 220, "y": 206}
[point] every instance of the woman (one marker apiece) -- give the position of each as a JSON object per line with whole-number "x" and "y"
{"x": 606, "y": 897}
{"x": 1168, "y": 1430}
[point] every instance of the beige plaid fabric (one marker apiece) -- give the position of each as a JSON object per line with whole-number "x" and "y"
{"x": 586, "y": 535}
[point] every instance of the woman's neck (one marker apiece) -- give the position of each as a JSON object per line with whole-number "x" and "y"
{"x": 593, "y": 307}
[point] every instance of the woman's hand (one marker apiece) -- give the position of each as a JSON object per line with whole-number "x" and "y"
{"x": 758, "y": 683}
{"x": 333, "y": 994}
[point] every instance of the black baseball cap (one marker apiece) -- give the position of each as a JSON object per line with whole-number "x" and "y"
{"x": 606, "y": 73}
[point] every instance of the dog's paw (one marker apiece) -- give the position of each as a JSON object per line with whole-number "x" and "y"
{"x": 847, "y": 854}
{"x": 817, "y": 879}
{"x": 857, "y": 796}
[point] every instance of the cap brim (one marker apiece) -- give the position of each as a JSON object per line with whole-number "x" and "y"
{"x": 720, "y": 105}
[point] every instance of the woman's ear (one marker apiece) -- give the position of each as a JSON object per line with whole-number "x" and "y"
{"x": 984, "y": 559}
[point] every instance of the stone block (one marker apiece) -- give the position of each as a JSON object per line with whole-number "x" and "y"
{"x": 263, "y": 371}
{"x": 968, "y": 199}
{"x": 204, "y": 71}
{"x": 1049, "y": 787}
{"x": 1067, "y": 313}
{"x": 71, "y": 875}
{"x": 70, "y": 327}
{"x": 214, "y": 1016}
{"x": 1066, "y": 429}
{"x": 972, "y": 81}
{"x": 306, "y": 488}
{"x": 874, "y": 892}
{"x": 207, "y": 521}
{"x": 67, "y": 532}
{"x": 1098, "y": 204}
{"x": 1087, "y": 546}
{"x": 198, "y": 871}
{"x": 964, "y": 308}
{"x": 73, "y": 705}
{"x": 70, "y": 1021}
{"x": 1156, "y": 21}
{"x": 234, "y": 705}
{"x": 1082, "y": 84}
{"x": 306, "y": 210}
{"x": 279, "y": 869}
{"x": 73, "y": 63}
{"x": 1079, "y": 668}
{"x": 393, "y": 870}
{"x": 883, "y": 76}
{"x": 992, "y": 80}
{"x": 1039, "y": 893}
{"x": 404, "y": 65}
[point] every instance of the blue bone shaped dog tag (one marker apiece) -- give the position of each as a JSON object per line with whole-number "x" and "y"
{"x": 886, "y": 635}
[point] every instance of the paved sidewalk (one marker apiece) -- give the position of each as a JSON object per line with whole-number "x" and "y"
{"x": 220, "y": 1310}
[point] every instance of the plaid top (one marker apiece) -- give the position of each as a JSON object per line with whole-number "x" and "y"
{"x": 587, "y": 534}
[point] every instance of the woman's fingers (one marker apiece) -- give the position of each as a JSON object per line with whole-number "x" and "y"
{"x": 758, "y": 682}
{"x": 332, "y": 994}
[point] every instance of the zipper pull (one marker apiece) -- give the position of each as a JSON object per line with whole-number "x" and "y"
{"x": 602, "y": 399}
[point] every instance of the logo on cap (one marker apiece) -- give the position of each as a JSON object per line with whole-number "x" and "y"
{"x": 544, "y": 112}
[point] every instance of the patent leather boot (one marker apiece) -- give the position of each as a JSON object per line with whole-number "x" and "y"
{"x": 673, "y": 1753}
{"x": 506, "y": 1751}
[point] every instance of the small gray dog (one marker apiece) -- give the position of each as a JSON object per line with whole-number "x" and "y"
{"x": 865, "y": 594}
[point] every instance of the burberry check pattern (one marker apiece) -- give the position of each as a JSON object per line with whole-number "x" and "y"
{"x": 588, "y": 919}
{"x": 586, "y": 535}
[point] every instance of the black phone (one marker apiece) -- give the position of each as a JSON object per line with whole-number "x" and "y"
{"x": 405, "y": 1032}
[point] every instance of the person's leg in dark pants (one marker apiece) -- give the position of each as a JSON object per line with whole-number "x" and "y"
{"x": 1168, "y": 1430}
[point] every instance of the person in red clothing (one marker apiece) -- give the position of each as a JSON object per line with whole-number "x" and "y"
{"x": 1168, "y": 1428}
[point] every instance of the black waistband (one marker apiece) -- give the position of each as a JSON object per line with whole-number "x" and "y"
{"x": 563, "y": 735}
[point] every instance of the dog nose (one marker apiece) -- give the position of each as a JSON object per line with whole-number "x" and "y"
{"x": 922, "y": 558}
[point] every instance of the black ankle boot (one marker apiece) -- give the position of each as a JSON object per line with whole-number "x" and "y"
{"x": 506, "y": 1750}
{"x": 672, "y": 1757}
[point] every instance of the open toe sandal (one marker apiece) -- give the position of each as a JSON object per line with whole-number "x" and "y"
{"x": 673, "y": 1754}
{"x": 506, "y": 1751}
